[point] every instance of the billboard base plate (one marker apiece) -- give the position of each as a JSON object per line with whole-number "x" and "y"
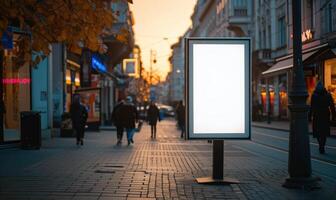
{"x": 211, "y": 181}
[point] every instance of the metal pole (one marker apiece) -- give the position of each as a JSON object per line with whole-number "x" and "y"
{"x": 299, "y": 163}
{"x": 151, "y": 67}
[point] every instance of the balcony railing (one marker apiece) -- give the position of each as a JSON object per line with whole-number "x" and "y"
{"x": 265, "y": 54}
{"x": 240, "y": 12}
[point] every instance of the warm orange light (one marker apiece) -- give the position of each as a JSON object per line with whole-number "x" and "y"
{"x": 67, "y": 77}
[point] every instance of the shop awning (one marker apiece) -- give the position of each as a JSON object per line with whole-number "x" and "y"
{"x": 334, "y": 50}
{"x": 287, "y": 63}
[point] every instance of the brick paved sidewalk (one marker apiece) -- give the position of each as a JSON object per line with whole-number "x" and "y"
{"x": 165, "y": 168}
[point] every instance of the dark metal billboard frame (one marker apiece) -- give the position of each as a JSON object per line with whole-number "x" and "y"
{"x": 219, "y": 40}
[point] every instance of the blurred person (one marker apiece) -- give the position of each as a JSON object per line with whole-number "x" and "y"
{"x": 116, "y": 120}
{"x": 153, "y": 115}
{"x": 129, "y": 117}
{"x": 180, "y": 114}
{"x": 79, "y": 116}
{"x": 322, "y": 105}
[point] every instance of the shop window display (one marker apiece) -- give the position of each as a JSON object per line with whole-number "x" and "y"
{"x": 72, "y": 83}
{"x": 264, "y": 99}
{"x": 16, "y": 90}
{"x": 283, "y": 97}
{"x": 330, "y": 76}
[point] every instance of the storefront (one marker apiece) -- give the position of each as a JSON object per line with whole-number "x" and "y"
{"x": 16, "y": 85}
{"x": 91, "y": 99}
{"x": 97, "y": 91}
{"x": 330, "y": 76}
{"x": 319, "y": 63}
{"x": 72, "y": 81}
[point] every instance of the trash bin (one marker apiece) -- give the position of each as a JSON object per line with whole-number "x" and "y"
{"x": 30, "y": 130}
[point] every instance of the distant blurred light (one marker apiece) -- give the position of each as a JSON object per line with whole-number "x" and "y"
{"x": 16, "y": 81}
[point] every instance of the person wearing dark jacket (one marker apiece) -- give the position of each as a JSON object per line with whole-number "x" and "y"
{"x": 128, "y": 117}
{"x": 79, "y": 116}
{"x": 153, "y": 115}
{"x": 115, "y": 118}
{"x": 322, "y": 105}
{"x": 180, "y": 113}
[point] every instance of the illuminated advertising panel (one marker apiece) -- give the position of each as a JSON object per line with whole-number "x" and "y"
{"x": 90, "y": 98}
{"x": 97, "y": 64}
{"x": 218, "y": 88}
{"x": 130, "y": 67}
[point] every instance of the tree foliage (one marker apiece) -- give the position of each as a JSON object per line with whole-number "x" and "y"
{"x": 77, "y": 23}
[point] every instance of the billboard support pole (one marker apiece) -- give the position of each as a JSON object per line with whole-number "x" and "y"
{"x": 217, "y": 167}
{"x": 218, "y": 159}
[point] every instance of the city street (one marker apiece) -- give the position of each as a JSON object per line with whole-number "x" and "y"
{"x": 162, "y": 169}
{"x": 251, "y": 84}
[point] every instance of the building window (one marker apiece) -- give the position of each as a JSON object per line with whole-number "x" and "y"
{"x": 240, "y": 3}
{"x": 269, "y": 37}
{"x": 259, "y": 40}
{"x": 282, "y": 31}
{"x": 328, "y": 21}
{"x": 311, "y": 7}
{"x": 240, "y": 7}
{"x": 308, "y": 15}
{"x": 16, "y": 84}
{"x": 264, "y": 39}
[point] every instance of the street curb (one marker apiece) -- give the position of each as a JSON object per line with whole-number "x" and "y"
{"x": 272, "y": 128}
{"x": 10, "y": 145}
{"x": 107, "y": 128}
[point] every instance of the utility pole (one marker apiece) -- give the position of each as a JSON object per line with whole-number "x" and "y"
{"x": 299, "y": 160}
{"x": 152, "y": 61}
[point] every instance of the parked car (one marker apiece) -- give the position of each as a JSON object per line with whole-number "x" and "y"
{"x": 142, "y": 111}
{"x": 168, "y": 111}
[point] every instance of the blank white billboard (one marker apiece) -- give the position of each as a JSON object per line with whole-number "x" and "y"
{"x": 218, "y": 88}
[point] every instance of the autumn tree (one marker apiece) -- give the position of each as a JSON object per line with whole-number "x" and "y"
{"x": 77, "y": 23}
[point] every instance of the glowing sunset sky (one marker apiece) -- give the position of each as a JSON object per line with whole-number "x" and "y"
{"x": 156, "y": 20}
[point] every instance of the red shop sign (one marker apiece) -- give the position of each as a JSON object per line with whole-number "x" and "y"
{"x": 6, "y": 81}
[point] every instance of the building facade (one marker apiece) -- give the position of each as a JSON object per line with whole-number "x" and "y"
{"x": 176, "y": 75}
{"x": 48, "y": 88}
{"x": 269, "y": 25}
{"x": 318, "y": 55}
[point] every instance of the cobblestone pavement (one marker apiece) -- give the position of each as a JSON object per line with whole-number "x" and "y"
{"x": 164, "y": 168}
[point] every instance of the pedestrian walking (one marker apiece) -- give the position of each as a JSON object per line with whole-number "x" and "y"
{"x": 115, "y": 118}
{"x": 322, "y": 105}
{"x": 180, "y": 114}
{"x": 128, "y": 116}
{"x": 79, "y": 116}
{"x": 153, "y": 115}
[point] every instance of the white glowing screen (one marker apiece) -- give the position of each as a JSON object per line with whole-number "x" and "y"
{"x": 219, "y": 93}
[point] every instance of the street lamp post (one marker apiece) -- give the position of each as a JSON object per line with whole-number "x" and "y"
{"x": 299, "y": 163}
{"x": 152, "y": 61}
